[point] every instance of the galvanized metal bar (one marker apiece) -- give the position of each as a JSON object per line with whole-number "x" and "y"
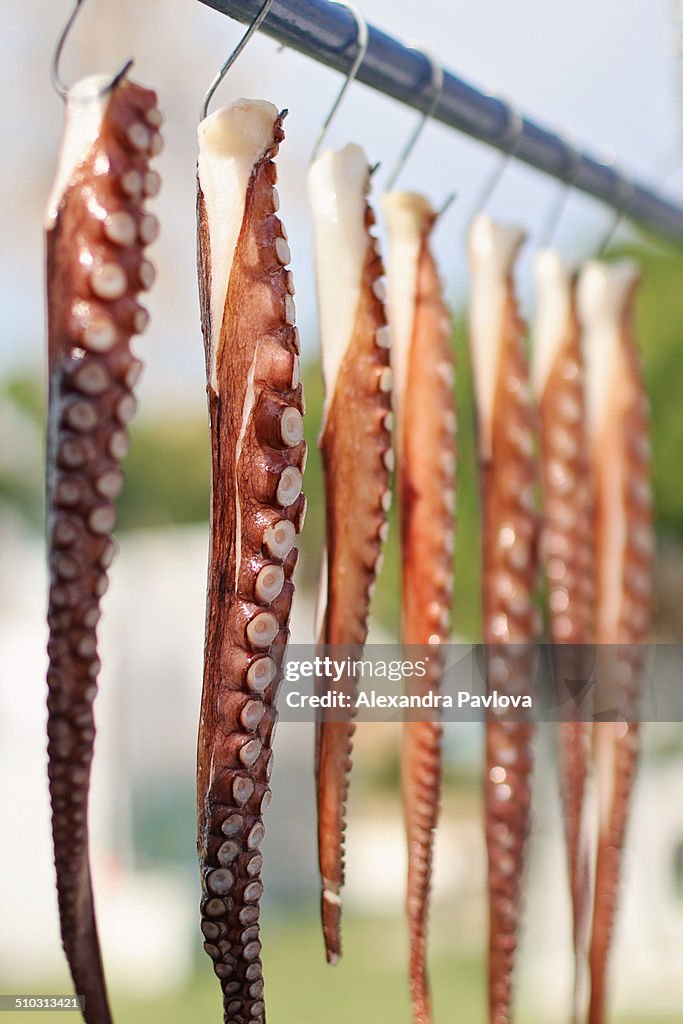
{"x": 327, "y": 33}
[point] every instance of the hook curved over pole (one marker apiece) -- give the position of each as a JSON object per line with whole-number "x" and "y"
{"x": 363, "y": 40}
{"x": 57, "y": 82}
{"x": 446, "y": 204}
{"x": 514, "y": 131}
{"x": 252, "y": 30}
{"x": 569, "y": 180}
{"x": 437, "y": 89}
{"x": 627, "y": 192}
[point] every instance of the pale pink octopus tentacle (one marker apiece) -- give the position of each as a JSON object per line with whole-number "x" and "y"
{"x": 423, "y": 363}
{"x": 357, "y": 461}
{"x": 567, "y": 546}
{"x": 506, "y": 423}
{"x": 620, "y": 455}
{"x": 96, "y": 233}
{"x": 258, "y": 452}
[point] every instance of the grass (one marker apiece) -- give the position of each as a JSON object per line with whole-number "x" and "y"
{"x": 368, "y": 986}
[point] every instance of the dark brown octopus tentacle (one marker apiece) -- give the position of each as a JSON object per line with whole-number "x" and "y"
{"x": 567, "y": 546}
{"x": 620, "y": 453}
{"x": 357, "y": 461}
{"x": 506, "y": 422}
{"x": 258, "y": 453}
{"x": 96, "y": 233}
{"x": 423, "y": 363}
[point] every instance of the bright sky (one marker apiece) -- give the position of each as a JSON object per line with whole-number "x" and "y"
{"x": 600, "y": 67}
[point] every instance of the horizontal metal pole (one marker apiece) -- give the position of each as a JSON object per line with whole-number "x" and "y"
{"x": 327, "y": 32}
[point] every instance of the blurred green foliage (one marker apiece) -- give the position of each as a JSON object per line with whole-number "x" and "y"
{"x": 167, "y": 473}
{"x": 27, "y": 393}
{"x": 168, "y": 467}
{"x": 369, "y": 984}
{"x": 660, "y": 332}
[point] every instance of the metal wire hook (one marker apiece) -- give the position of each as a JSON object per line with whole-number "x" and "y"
{"x": 677, "y": 56}
{"x": 252, "y": 30}
{"x": 553, "y": 219}
{"x": 57, "y": 82}
{"x": 363, "y": 40}
{"x": 437, "y": 89}
{"x": 446, "y": 204}
{"x": 627, "y": 191}
{"x": 515, "y": 130}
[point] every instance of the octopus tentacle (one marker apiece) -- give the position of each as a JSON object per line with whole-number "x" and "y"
{"x": 97, "y": 229}
{"x": 257, "y": 453}
{"x": 505, "y": 427}
{"x": 424, "y": 404}
{"x": 357, "y": 458}
{"x": 567, "y": 546}
{"x": 620, "y": 455}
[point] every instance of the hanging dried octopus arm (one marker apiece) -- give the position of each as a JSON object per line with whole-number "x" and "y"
{"x": 619, "y": 448}
{"x": 357, "y": 460}
{"x": 96, "y": 233}
{"x": 507, "y": 466}
{"x": 567, "y": 546}
{"x": 257, "y": 454}
{"x": 423, "y": 365}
